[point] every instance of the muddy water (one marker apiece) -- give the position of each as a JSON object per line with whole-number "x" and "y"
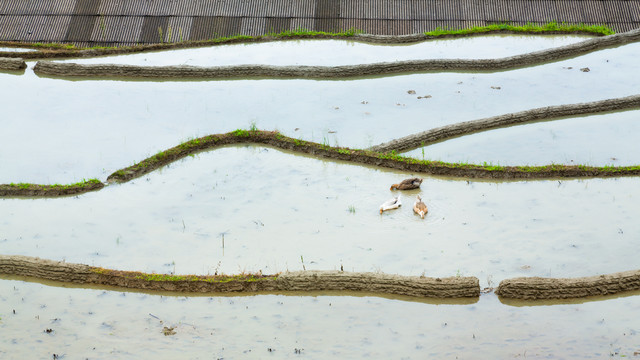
{"x": 13, "y": 49}
{"x": 593, "y": 140}
{"x": 342, "y": 52}
{"x": 101, "y": 126}
{"x": 281, "y": 212}
{"x": 86, "y": 323}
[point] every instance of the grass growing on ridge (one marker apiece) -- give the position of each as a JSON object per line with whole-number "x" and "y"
{"x": 528, "y": 28}
{"x": 552, "y": 26}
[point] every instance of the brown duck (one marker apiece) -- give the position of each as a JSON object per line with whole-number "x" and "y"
{"x": 420, "y": 208}
{"x": 407, "y": 184}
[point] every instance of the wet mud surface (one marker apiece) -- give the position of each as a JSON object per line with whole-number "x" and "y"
{"x": 35, "y": 190}
{"x": 537, "y": 288}
{"x": 12, "y": 64}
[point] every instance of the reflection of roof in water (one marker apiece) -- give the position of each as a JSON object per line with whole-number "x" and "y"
{"x": 130, "y": 22}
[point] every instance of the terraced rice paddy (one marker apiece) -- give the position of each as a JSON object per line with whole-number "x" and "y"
{"x": 257, "y": 209}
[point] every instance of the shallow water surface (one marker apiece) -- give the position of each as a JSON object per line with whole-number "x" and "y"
{"x": 596, "y": 140}
{"x": 15, "y": 49}
{"x": 342, "y": 52}
{"x": 86, "y": 323}
{"x": 258, "y": 209}
{"x": 89, "y": 128}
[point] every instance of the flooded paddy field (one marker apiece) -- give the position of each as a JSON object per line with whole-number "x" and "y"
{"x": 104, "y": 125}
{"x": 278, "y": 211}
{"x": 590, "y": 140}
{"x": 15, "y": 49}
{"x": 92, "y": 323}
{"x": 341, "y": 52}
{"x": 257, "y": 209}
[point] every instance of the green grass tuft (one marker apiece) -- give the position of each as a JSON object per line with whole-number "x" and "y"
{"x": 528, "y": 28}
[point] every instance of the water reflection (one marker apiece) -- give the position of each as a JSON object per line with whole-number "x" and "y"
{"x": 80, "y": 323}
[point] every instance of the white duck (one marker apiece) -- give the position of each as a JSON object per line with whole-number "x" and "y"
{"x": 420, "y": 208}
{"x": 390, "y": 204}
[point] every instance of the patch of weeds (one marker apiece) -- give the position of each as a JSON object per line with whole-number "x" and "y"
{"x": 240, "y": 133}
{"x": 491, "y": 167}
{"x": 243, "y": 277}
{"x": 529, "y": 28}
{"x": 302, "y": 32}
{"x": 325, "y": 141}
{"x": 119, "y": 173}
{"x": 352, "y": 209}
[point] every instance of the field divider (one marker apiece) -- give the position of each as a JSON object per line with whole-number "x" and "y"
{"x": 301, "y": 281}
{"x": 443, "y": 133}
{"x": 12, "y": 64}
{"x": 539, "y": 288}
{"x": 274, "y": 139}
{"x": 67, "y": 69}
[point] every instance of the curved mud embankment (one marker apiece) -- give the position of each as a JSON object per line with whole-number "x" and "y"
{"x": 453, "y": 287}
{"x": 12, "y": 64}
{"x": 61, "y": 52}
{"x": 334, "y": 72}
{"x": 537, "y": 288}
{"x": 468, "y": 127}
{"x": 533, "y": 288}
{"x": 382, "y": 155}
{"x": 366, "y": 157}
{"x": 35, "y": 190}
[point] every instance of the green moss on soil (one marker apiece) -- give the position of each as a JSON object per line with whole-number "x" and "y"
{"x": 529, "y": 28}
{"x": 179, "y": 278}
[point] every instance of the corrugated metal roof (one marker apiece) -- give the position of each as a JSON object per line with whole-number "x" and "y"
{"x": 117, "y": 29}
{"x": 472, "y": 10}
{"x": 301, "y": 23}
{"x": 154, "y": 29}
{"x": 119, "y": 22}
{"x": 569, "y": 9}
{"x": 111, "y": 8}
{"x": 425, "y": 10}
{"x": 303, "y": 9}
{"x": 593, "y": 11}
{"x": 634, "y": 10}
{"x": 447, "y": 10}
{"x": 254, "y": 26}
{"x": 51, "y": 28}
{"x": 327, "y": 9}
{"x": 209, "y": 27}
{"x": 80, "y": 28}
{"x": 136, "y": 7}
{"x": 62, "y": 7}
{"x": 162, "y": 7}
{"x": 7, "y": 27}
{"x": 547, "y": 9}
{"x": 179, "y": 28}
{"x": 87, "y": 7}
{"x": 277, "y": 24}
